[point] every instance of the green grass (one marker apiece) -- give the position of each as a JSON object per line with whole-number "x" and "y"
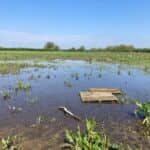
{"x": 130, "y": 58}
{"x": 14, "y": 68}
{"x": 115, "y": 57}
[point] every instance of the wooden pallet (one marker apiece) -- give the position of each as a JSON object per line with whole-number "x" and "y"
{"x": 100, "y": 95}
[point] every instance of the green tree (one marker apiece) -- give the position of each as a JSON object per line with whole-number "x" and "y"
{"x": 51, "y": 46}
{"x": 81, "y": 48}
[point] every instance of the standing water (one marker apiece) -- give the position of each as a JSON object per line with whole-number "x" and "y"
{"x": 58, "y": 84}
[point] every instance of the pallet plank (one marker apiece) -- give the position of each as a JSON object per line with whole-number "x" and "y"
{"x": 111, "y": 90}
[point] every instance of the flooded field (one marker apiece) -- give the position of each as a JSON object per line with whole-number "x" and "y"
{"x": 58, "y": 83}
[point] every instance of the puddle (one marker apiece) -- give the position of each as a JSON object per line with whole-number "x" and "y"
{"x": 59, "y": 83}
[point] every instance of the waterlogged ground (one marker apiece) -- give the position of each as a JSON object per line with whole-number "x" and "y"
{"x": 58, "y": 83}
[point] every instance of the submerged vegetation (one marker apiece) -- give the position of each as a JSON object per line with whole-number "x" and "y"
{"x": 32, "y": 100}
{"x": 68, "y": 83}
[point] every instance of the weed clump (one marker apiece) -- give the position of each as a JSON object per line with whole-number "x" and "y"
{"x": 143, "y": 110}
{"x": 10, "y": 143}
{"x": 90, "y": 139}
{"x": 5, "y": 94}
{"x": 21, "y": 86}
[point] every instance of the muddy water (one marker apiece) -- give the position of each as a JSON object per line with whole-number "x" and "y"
{"x": 59, "y": 84}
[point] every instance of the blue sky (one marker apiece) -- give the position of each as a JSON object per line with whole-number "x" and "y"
{"x": 71, "y": 23}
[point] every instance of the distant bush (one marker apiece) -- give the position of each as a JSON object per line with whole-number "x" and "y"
{"x": 81, "y": 48}
{"x": 120, "y": 48}
{"x": 20, "y": 49}
{"x": 71, "y": 49}
{"x": 96, "y": 49}
{"x": 147, "y": 50}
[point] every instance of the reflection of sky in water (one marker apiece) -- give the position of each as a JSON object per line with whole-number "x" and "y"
{"x": 52, "y": 92}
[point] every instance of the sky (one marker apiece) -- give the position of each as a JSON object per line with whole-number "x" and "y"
{"x": 72, "y": 23}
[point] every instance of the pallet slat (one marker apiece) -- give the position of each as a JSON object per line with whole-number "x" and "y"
{"x": 111, "y": 90}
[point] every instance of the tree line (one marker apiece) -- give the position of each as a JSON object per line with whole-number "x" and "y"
{"x": 121, "y": 48}
{"x": 51, "y": 46}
